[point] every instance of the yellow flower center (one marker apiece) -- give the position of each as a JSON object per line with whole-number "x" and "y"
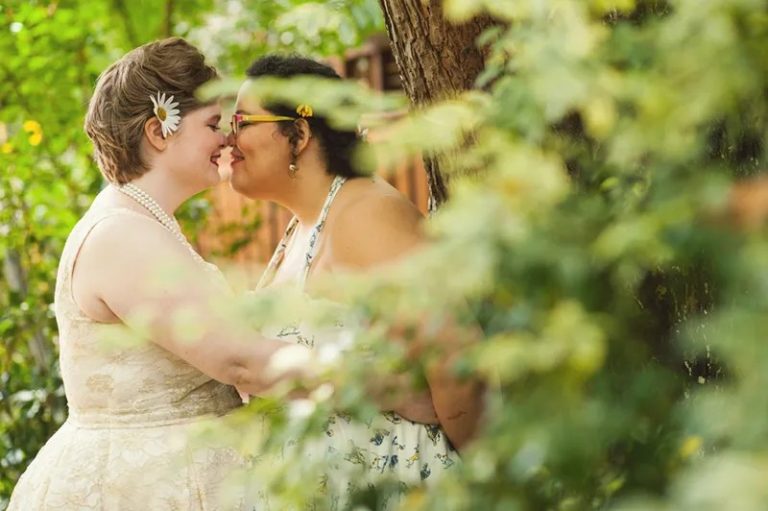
{"x": 161, "y": 114}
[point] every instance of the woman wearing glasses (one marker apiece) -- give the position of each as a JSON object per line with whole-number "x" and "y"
{"x": 343, "y": 221}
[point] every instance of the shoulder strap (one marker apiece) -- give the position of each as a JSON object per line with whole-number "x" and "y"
{"x": 277, "y": 256}
{"x": 314, "y": 238}
{"x": 279, "y": 253}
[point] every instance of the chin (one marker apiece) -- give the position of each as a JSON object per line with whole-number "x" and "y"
{"x": 214, "y": 178}
{"x": 239, "y": 183}
{"x": 239, "y": 188}
{"x": 204, "y": 183}
{"x": 234, "y": 182}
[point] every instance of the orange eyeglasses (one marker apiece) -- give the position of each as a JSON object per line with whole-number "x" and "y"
{"x": 240, "y": 120}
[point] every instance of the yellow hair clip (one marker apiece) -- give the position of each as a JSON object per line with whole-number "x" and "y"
{"x": 304, "y": 110}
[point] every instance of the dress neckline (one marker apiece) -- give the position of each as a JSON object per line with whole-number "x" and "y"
{"x": 279, "y": 254}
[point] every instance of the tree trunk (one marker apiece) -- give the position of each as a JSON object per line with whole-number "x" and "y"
{"x": 15, "y": 276}
{"x": 437, "y": 59}
{"x": 168, "y": 20}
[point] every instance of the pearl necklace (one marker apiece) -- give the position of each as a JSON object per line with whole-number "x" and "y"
{"x": 147, "y": 202}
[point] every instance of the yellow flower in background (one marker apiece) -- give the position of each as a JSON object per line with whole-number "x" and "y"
{"x": 35, "y": 131}
{"x": 691, "y": 445}
{"x": 6, "y": 148}
{"x": 35, "y": 139}
{"x": 31, "y": 126}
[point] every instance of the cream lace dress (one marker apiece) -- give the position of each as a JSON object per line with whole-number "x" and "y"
{"x": 126, "y": 444}
{"x": 389, "y": 446}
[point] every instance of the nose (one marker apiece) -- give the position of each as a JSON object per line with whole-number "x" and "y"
{"x": 230, "y": 139}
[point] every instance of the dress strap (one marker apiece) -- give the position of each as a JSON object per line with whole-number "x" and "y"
{"x": 312, "y": 248}
{"x": 309, "y": 256}
{"x": 277, "y": 256}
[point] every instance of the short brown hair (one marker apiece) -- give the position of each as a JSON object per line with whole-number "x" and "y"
{"x": 120, "y": 104}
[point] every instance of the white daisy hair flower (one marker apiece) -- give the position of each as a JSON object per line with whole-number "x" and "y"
{"x": 166, "y": 112}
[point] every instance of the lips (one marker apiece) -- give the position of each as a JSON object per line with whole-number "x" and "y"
{"x": 215, "y": 158}
{"x": 237, "y": 157}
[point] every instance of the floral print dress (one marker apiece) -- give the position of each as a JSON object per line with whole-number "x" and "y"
{"x": 389, "y": 445}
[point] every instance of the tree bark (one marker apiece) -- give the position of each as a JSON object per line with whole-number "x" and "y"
{"x": 168, "y": 20}
{"x": 437, "y": 60}
{"x": 15, "y": 276}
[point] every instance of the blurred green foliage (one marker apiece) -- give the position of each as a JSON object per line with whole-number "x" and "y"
{"x": 622, "y": 313}
{"x": 622, "y": 309}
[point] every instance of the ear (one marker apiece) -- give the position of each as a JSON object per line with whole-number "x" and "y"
{"x": 153, "y": 131}
{"x": 305, "y": 133}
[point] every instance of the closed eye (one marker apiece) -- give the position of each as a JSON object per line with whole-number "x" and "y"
{"x": 213, "y": 122}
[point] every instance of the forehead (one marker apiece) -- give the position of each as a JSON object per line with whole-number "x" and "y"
{"x": 206, "y": 111}
{"x": 247, "y": 101}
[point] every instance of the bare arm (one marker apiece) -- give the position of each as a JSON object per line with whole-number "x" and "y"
{"x": 377, "y": 232}
{"x": 148, "y": 279}
{"x": 458, "y": 401}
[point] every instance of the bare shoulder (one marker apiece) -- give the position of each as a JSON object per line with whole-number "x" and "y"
{"x": 132, "y": 235}
{"x": 124, "y": 247}
{"x": 373, "y": 224}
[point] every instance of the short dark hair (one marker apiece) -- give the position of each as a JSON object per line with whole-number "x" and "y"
{"x": 338, "y": 145}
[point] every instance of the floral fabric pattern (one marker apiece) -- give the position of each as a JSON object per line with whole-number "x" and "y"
{"x": 390, "y": 445}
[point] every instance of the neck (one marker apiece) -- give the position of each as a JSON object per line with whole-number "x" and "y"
{"x": 306, "y": 194}
{"x": 167, "y": 194}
